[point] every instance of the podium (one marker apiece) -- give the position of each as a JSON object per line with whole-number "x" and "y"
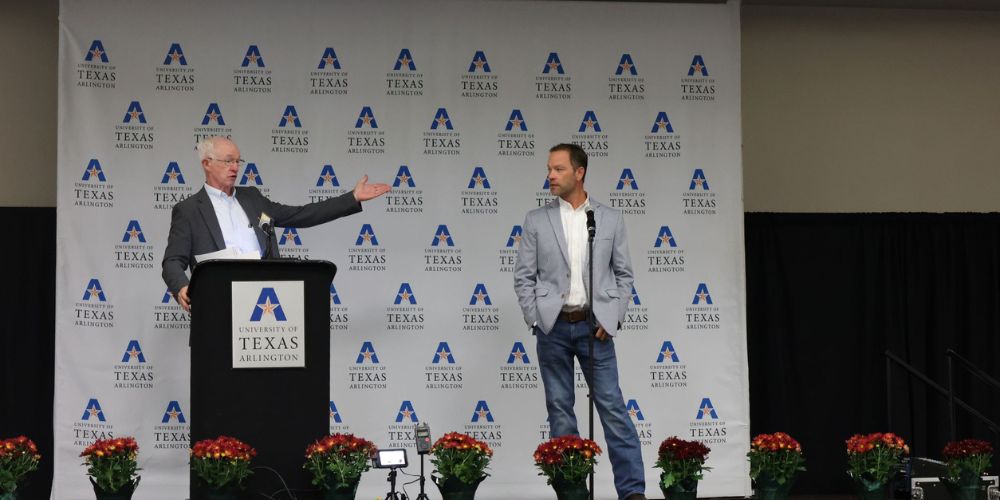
{"x": 260, "y": 363}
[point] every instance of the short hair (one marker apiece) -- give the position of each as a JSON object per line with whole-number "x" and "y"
{"x": 577, "y": 156}
{"x": 206, "y": 147}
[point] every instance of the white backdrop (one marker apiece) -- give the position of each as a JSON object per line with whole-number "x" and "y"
{"x": 457, "y": 103}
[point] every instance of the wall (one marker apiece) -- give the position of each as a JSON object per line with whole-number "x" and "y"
{"x": 844, "y": 109}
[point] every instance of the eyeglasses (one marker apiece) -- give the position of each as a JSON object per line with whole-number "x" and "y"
{"x": 238, "y": 161}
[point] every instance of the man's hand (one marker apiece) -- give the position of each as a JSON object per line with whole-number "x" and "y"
{"x": 364, "y": 191}
{"x": 183, "y": 299}
{"x": 601, "y": 335}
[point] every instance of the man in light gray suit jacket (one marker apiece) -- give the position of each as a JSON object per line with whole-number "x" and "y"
{"x": 551, "y": 282}
{"x": 222, "y": 216}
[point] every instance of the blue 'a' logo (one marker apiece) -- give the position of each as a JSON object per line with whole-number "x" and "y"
{"x": 632, "y": 407}
{"x": 405, "y": 294}
{"x": 253, "y": 58}
{"x": 173, "y": 412}
{"x": 366, "y": 235}
{"x": 94, "y": 290}
{"x": 94, "y": 170}
{"x": 96, "y": 51}
{"x": 93, "y": 410}
{"x": 627, "y": 179}
{"x": 443, "y": 352}
{"x": 166, "y": 297}
{"x": 133, "y": 353}
{"x": 175, "y": 55}
{"x": 268, "y": 303}
{"x": 329, "y": 59}
{"x": 405, "y": 60}
{"x": 290, "y": 235}
{"x": 290, "y": 116}
{"x": 665, "y": 238}
{"x": 213, "y": 114}
{"x": 667, "y": 351}
{"x": 441, "y": 119}
{"x": 634, "y": 297}
{"x": 172, "y": 173}
{"x": 516, "y": 122}
{"x": 133, "y": 232}
{"x": 662, "y": 123}
{"x": 702, "y": 295}
{"x": 698, "y": 66}
{"x": 334, "y": 296}
{"x": 482, "y": 411}
{"x": 553, "y": 64}
{"x": 479, "y": 63}
{"x": 334, "y": 414}
{"x": 327, "y": 176}
{"x": 546, "y": 184}
{"x": 706, "y": 410}
{"x": 480, "y": 296}
{"x": 403, "y": 178}
{"x": 366, "y": 117}
{"x": 442, "y": 236}
{"x": 251, "y": 175}
{"x": 698, "y": 180}
{"x": 518, "y": 354}
{"x": 134, "y": 113}
{"x": 406, "y": 412}
{"x": 626, "y": 65}
{"x": 479, "y": 179}
{"x": 367, "y": 354}
{"x": 514, "y": 240}
{"x": 589, "y": 121}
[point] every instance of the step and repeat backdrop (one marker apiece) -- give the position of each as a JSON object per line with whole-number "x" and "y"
{"x": 455, "y": 104}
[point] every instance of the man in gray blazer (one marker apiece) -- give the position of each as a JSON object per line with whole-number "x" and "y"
{"x": 551, "y": 283}
{"x": 222, "y": 216}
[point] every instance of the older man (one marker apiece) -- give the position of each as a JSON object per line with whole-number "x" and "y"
{"x": 221, "y": 216}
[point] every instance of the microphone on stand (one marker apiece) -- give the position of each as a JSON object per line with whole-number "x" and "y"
{"x": 591, "y": 224}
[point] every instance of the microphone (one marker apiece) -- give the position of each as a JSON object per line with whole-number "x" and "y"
{"x": 591, "y": 223}
{"x": 266, "y": 226}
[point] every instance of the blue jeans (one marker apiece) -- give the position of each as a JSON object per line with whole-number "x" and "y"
{"x": 555, "y": 361}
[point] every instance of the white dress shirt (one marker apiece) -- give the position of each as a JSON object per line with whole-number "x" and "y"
{"x": 574, "y": 223}
{"x": 236, "y": 229}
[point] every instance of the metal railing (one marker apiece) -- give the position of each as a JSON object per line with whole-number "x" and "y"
{"x": 948, "y": 393}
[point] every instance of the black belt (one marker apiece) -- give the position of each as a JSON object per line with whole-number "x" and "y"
{"x": 575, "y": 316}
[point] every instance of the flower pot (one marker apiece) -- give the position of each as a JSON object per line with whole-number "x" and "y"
{"x": 966, "y": 488}
{"x": 566, "y": 490}
{"x": 683, "y": 490}
{"x": 8, "y": 495}
{"x": 871, "y": 490}
{"x": 452, "y": 488}
{"x": 125, "y": 493}
{"x": 768, "y": 488}
{"x": 344, "y": 492}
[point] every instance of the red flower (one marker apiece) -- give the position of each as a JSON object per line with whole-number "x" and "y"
{"x": 966, "y": 448}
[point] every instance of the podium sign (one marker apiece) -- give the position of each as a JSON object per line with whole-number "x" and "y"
{"x": 268, "y": 324}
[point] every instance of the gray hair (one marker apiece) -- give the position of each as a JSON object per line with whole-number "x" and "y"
{"x": 206, "y": 147}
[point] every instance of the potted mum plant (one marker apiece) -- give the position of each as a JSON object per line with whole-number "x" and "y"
{"x": 18, "y": 457}
{"x": 873, "y": 460}
{"x": 337, "y": 462}
{"x": 221, "y": 464}
{"x": 566, "y": 461}
{"x": 967, "y": 460}
{"x": 774, "y": 460}
{"x": 112, "y": 466}
{"x": 460, "y": 463}
{"x": 683, "y": 464}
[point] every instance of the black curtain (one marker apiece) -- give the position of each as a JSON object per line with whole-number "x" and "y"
{"x": 27, "y": 345}
{"x": 828, "y": 294}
